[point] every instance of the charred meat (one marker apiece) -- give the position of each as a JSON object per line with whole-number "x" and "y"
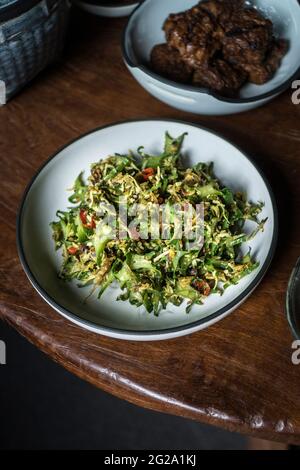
{"x": 260, "y": 73}
{"x": 220, "y": 76}
{"x": 194, "y": 34}
{"x": 219, "y": 44}
{"x": 167, "y": 61}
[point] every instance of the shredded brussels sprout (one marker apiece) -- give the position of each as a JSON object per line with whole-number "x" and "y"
{"x": 154, "y": 272}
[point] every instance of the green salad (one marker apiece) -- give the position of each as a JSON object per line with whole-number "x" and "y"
{"x": 154, "y": 271}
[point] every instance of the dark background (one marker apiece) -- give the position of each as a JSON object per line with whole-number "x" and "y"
{"x": 42, "y": 406}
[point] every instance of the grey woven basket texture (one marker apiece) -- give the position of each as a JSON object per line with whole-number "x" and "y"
{"x": 30, "y": 41}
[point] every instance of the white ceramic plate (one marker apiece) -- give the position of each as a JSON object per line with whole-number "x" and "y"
{"x": 107, "y": 8}
{"x": 48, "y": 192}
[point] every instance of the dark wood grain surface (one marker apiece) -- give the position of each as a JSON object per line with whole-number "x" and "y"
{"x": 237, "y": 374}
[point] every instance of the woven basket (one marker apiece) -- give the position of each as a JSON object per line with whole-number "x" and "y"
{"x": 31, "y": 36}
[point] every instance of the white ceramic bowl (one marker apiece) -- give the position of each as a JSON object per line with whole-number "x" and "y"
{"x": 112, "y": 9}
{"x": 47, "y": 192}
{"x": 144, "y": 30}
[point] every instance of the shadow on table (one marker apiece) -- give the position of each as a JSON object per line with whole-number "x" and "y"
{"x": 46, "y": 407}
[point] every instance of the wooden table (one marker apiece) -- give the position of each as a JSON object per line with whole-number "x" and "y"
{"x": 237, "y": 374}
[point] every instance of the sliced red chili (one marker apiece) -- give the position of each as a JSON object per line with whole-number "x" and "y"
{"x": 82, "y": 215}
{"x": 92, "y": 223}
{"x": 72, "y": 250}
{"x": 83, "y": 218}
{"x": 147, "y": 172}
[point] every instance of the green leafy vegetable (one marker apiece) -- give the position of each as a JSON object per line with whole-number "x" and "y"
{"x": 155, "y": 272}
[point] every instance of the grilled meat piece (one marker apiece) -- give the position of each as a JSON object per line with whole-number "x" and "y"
{"x": 221, "y": 10}
{"x": 262, "y": 73}
{"x": 166, "y": 61}
{"x": 220, "y": 76}
{"x": 278, "y": 51}
{"x": 194, "y": 33}
{"x": 248, "y": 37}
{"x": 243, "y": 19}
